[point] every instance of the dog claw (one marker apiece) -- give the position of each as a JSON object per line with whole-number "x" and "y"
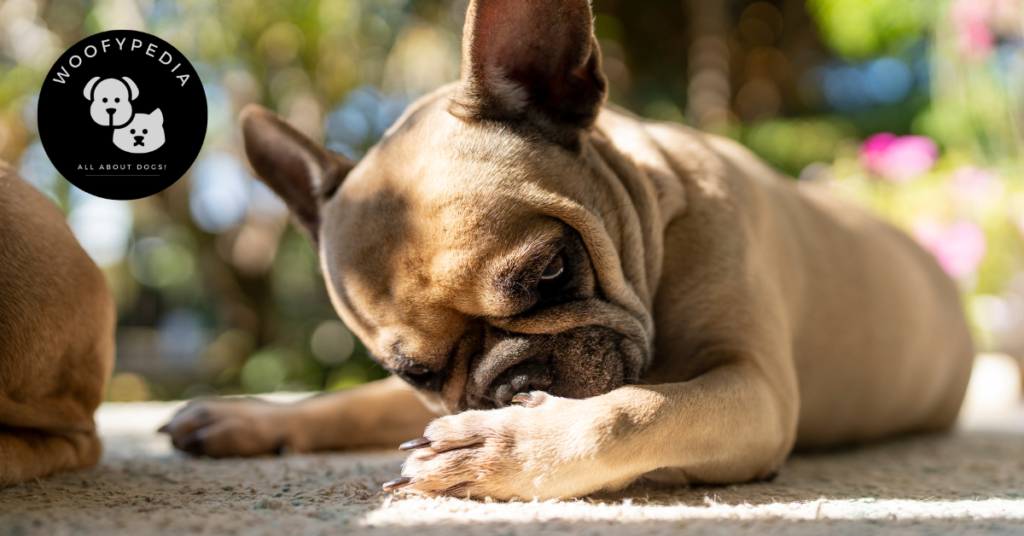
{"x": 414, "y": 444}
{"x": 522, "y": 398}
{"x": 398, "y": 483}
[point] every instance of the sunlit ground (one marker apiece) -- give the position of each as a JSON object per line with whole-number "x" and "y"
{"x": 970, "y": 481}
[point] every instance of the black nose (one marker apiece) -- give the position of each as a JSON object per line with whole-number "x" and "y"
{"x": 422, "y": 378}
{"x": 111, "y": 111}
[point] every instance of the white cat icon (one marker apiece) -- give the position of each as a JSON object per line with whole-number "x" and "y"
{"x": 144, "y": 134}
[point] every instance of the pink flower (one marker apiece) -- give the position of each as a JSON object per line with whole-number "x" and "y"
{"x": 972, "y": 183}
{"x": 971, "y": 23}
{"x": 898, "y": 158}
{"x": 975, "y": 40}
{"x": 959, "y": 247}
{"x": 872, "y": 151}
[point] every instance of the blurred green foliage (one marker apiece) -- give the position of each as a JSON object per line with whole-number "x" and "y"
{"x": 859, "y": 29}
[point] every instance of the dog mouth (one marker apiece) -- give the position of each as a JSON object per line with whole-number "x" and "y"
{"x": 110, "y": 115}
{"x": 516, "y": 364}
{"x": 579, "y": 363}
{"x": 138, "y": 142}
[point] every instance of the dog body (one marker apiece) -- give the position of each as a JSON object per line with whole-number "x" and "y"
{"x": 856, "y": 314}
{"x": 56, "y": 338}
{"x": 111, "y": 100}
{"x": 144, "y": 134}
{"x": 591, "y": 297}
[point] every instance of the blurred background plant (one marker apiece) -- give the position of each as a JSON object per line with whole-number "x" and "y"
{"x": 909, "y": 107}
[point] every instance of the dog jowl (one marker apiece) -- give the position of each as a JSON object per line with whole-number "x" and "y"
{"x": 621, "y": 298}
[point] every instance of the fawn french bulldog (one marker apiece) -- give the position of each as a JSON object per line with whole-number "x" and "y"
{"x": 591, "y": 297}
{"x": 56, "y": 338}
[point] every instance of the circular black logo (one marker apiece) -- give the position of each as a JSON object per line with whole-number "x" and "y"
{"x": 122, "y": 114}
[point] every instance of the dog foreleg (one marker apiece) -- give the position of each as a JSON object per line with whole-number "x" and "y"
{"x": 381, "y": 413}
{"x": 731, "y": 424}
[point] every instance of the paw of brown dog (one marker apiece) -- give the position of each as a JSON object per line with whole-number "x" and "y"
{"x": 227, "y": 427}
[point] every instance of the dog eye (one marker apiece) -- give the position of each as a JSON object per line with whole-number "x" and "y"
{"x": 145, "y": 131}
{"x": 118, "y": 99}
{"x": 555, "y": 269}
{"x": 104, "y": 99}
{"x": 133, "y": 131}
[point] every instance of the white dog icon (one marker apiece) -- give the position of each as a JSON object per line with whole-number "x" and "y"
{"x": 144, "y": 134}
{"x": 111, "y": 100}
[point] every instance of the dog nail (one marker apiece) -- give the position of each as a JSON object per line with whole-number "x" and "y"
{"x": 414, "y": 444}
{"x": 522, "y": 398}
{"x": 165, "y": 429}
{"x": 397, "y": 483}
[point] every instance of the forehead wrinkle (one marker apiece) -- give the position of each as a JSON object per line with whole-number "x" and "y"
{"x": 461, "y": 191}
{"x": 503, "y": 277}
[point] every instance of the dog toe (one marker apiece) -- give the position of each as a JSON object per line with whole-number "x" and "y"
{"x": 220, "y": 428}
{"x": 459, "y": 431}
{"x": 191, "y": 418}
{"x": 191, "y": 443}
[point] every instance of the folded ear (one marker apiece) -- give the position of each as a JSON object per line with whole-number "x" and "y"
{"x": 133, "y": 90}
{"x": 535, "y": 61}
{"x": 89, "y": 85}
{"x": 298, "y": 169}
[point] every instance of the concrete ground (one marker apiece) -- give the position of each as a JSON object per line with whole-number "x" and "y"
{"x": 967, "y": 482}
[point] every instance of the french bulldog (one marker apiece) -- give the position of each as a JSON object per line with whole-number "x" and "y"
{"x": 111, "y": 100}
{"x": 56, "y": 338}
{"x": 144, "y": 134}
{"x": 590, "y": 297}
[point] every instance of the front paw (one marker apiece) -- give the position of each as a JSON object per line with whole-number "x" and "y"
{"x": 221, "y": 427}
{"x": 529, "y": 451}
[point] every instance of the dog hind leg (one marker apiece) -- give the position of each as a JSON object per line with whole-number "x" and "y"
{"x": 26, "y": 453}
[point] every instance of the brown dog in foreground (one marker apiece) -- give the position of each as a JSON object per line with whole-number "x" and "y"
{"x": 592, "y": 297}
{"x": 56, "y": 338}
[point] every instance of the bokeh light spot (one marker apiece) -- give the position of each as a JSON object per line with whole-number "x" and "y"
{"x": 220, "y": 192}
{"x": 127, "y": 387}
{"x": 102, "y": 227}
{"x": 332, "y": 343}
{"x": 263, "y": 372}
{"x": 887, "y": 80}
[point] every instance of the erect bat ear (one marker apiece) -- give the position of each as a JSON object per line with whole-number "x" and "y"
{"x": 296, "y": 168}
{"x": 531, "y": 61}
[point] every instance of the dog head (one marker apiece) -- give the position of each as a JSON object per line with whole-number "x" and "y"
{"x": 111, "y": 100}
{"x": 483, "y": 247}
{"x": 144, "y": 134}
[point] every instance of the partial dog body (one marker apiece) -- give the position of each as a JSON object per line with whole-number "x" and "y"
{"x": 650, "y": 300}
{"x": 56, "y": 338}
